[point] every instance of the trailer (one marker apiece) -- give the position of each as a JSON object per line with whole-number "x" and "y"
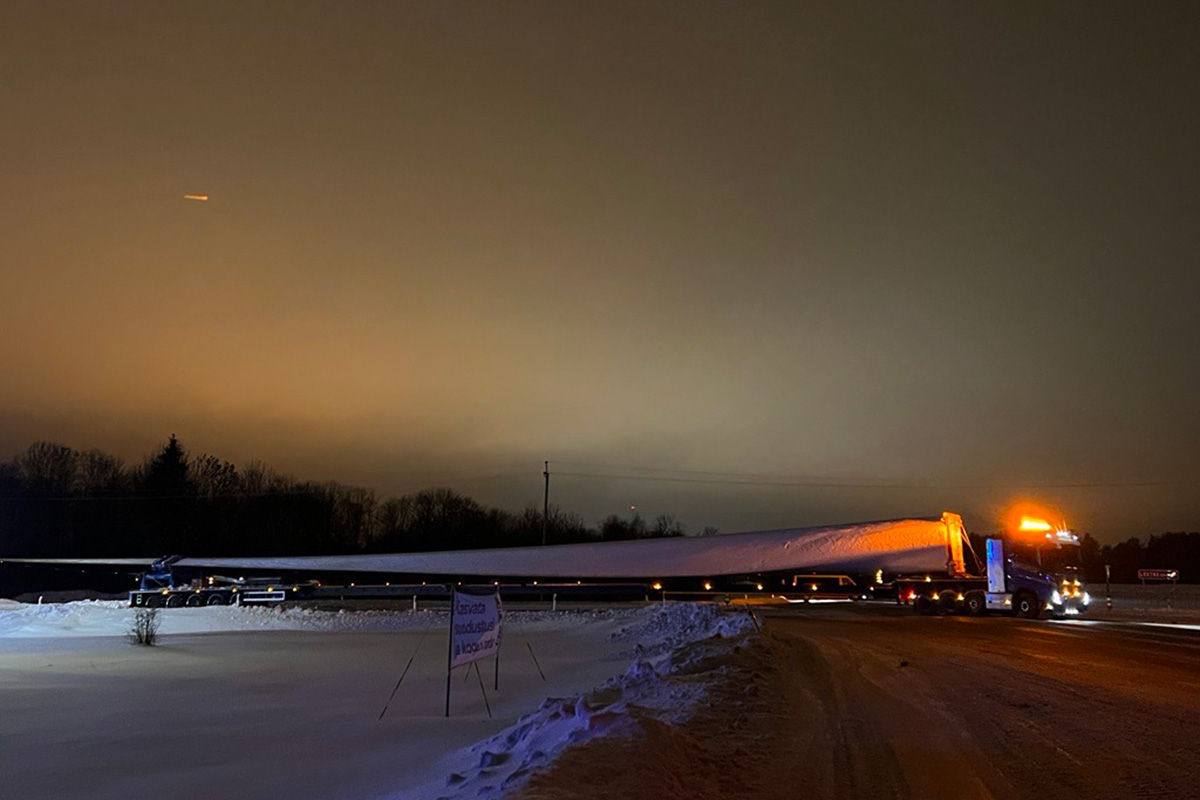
{"x": 1031, "y": 571}
{"x": 163, "y": 586}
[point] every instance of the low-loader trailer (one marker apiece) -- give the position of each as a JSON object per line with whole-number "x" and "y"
{"x": 161, "y": 587}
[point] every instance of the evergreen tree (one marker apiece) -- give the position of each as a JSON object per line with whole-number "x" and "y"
{"x": 167, "y": 472}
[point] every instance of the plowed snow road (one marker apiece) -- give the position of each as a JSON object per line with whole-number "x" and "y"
{"x": 874, "y": 702}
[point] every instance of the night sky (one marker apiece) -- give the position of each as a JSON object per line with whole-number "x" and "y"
{"x": 943, "y": 255}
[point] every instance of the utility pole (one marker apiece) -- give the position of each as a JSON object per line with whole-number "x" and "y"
{"x": 546, "y": 503}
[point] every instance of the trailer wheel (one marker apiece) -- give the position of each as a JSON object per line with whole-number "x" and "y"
{"x": 925, "y": 604}
{"x": 216, "y": 600}
{"x": 175, "y": 600}
{"x": 155, "y": 600}
{"x": 947, "y": 602}
{"x": 195, "y": 600}
{"x": 975, "y": 604}
{"x": 1026, "y": 605}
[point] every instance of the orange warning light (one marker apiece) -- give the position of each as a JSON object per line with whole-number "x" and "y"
{"x": 1033, "y": 519}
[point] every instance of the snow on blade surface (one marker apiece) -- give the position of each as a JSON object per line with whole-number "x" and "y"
{"x": 907, "y": 545}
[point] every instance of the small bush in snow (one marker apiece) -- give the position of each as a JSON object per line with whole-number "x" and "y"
{"x": 145, "y": 627}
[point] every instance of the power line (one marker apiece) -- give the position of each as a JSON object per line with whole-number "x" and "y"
{"x": 834, "y": 483}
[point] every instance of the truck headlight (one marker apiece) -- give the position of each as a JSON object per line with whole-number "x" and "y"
{"x": 1056, "y": 598}
{"x": 1087, "y": 599}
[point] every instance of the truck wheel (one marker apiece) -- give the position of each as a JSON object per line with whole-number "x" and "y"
{"x": 155, "y": 600}
{"x": 216, "y": 600}
{"x": 947, "y": 602}
{"x": 175, "y": 600}
{"x": 1027, "y": 606}
{"x": 925, "y": 604}
{"x": 975, "y": 604}
{"x": 195, "y": 600}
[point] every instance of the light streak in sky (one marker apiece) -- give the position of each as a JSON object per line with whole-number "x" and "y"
{"x": 195, "y": 197}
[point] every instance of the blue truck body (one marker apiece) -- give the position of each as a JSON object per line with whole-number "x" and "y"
{"x": 1029, "y": 576}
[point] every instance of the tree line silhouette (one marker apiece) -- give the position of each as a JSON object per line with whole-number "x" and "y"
{"x": 1179, "y": 551}
{"x": 56, "y": 502}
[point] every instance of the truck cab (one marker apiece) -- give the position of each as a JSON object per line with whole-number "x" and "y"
{"x": 159, "y": 576}
{"x": 1036, "y": 572}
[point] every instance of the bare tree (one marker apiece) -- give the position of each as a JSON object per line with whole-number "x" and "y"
{"x": 214, "y": 477}
{"x": 666, "y": 525}
{"x": 98, "y": 472}
{"x": 258, "y": 478}
{"x": 47, "y": 467}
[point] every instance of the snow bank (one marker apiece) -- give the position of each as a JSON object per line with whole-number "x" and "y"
{"x": 660, "y": 652}
{"x": 115, "y": 617}
{"x": 672, "y": 643}
{"x": 663, "y": 628}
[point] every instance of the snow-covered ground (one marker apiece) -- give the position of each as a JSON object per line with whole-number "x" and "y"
{"x": 286, "y": 702}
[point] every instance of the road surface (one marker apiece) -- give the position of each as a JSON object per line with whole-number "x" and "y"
{"x": 875, "y": 702}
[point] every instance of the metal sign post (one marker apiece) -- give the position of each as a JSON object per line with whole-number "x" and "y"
{"x": 1164, "y": 575}
{"x": 450, "y": 651}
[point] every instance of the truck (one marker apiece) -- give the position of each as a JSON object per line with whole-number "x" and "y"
{"x": 162, "y": 585}
{"x": 1031, "y": 571}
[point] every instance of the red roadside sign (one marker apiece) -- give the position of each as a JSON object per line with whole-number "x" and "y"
{"x": 1158, "y": 574}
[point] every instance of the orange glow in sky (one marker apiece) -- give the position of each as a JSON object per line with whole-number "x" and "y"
{"x": 454, "y": 241}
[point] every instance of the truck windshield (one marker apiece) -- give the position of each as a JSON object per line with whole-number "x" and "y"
{"x": 1054, "y": 558}
{"x": 1060, "y": 558}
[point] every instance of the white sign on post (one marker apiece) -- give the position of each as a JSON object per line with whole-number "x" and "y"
{"x": 475, "y": 627}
